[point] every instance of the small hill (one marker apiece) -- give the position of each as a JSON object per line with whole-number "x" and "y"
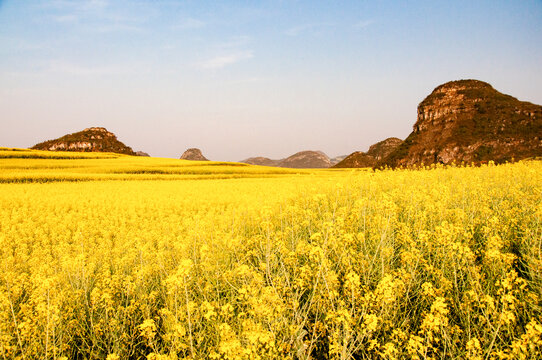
{"x": 376, "y": 153}
{"x": 301, "y": 160}
{"x": 357, "y": 159}
{"x": 469, "y": 121}
{"x": 337, "y": 159}
{"x": 259, "y": 160}
{"x": 93, "y": 139}
{"x": 306, "y": 159}
{"x": 383, "y": 148}
{"x": 193, "y": 154}
{"x": 142, "y": 153}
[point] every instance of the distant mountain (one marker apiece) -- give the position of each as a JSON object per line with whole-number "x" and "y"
{"x": 193, "y": 154}
{"x": 141, "y": 153}
{"x": 301, "y": 160}
{"x": 263, "y": 161}
{"x": 376, "y": 153}
{"x": 383, "y": 148}
{"x": 358, "y": 159}
{"x": 93, "y": 139}
{"x": 306, "y": 159}
{"x": 469, "y": 121}
{"x": 337, "y": 159}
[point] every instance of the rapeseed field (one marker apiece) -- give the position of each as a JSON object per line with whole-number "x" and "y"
{"x": 106, "y": 256}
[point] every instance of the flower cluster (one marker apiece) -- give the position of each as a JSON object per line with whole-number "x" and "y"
{"x": 423, "y": 264}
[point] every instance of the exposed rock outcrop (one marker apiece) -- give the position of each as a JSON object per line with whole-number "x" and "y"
{"x": 469, "y": 121}
{"x": 96, "y": 139}
{"x": 376, "y": 153}
{"x": 193, "y": 154}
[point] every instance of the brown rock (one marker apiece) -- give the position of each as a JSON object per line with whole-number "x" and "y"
{"x": 193, "y": 154}
{"x": 95, "y": 139}
{"x": 337, "y": 159}
{"x": 259, "y": 160}
{"x": 469, "y": 121}
{"x": 376, "y": 152}
{"x": 306, "y": 159}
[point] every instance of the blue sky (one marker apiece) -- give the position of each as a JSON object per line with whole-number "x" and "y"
{"x": 244, "y": 78}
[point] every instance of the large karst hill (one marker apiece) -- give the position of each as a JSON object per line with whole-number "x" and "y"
{"x": 91, "y": 139}
{"x": 469, "y": 121}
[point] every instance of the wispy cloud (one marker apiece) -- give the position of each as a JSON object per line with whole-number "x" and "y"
{"x": 69, "y": 5}
{"x": 296, "y": 30}
{"x": 189, "y": 23}
{"x": 69, "y": 68}
{"x": 16, "y": 44}
{"x": 68, "y": 18}
{"x": 95, "y": 4}
{"x": 116, "y": 27}
{"x": 249, "y": 80}
{"x": 363, "y": 24}
{"x": 305, "y": 28}
{"x": 222, "y": 61}
{"x": 61, "y": 67}
{"x": 97, "y": 15}
{"x": 235, "y": 42}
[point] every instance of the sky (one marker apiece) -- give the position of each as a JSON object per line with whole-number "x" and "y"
{"x": 252, "y": 78}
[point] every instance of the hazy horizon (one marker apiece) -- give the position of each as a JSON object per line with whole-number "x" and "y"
{"x": 239, "y": 80}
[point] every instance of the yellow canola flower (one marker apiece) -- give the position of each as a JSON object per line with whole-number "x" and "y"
{"x": 109, "y": 256}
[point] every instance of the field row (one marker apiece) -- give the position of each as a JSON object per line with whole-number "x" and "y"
{"x": 428, "y": 264}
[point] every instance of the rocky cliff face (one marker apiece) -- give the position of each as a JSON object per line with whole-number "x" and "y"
{"x": 469, "y": 121}
{"x": 91, "y": 139}
{"x": 193, "y": 154}
{"x": 376, "y": 153}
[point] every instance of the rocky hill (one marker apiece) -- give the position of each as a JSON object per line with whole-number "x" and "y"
{"x": 377, "y": 152}
{"x": 301, "y": 160}
{"x": 193, "y": 154}
{"x": 469, "y": 121}
{"x": 91, "y": 139}
{"x": 337, "y": 159}
{"x": 358, "y": 159}
{"x": 142, "y": 153}
{"x": 383, "y": 148}
{"x": 263, "y": 161}
{"x": 306, "y": 160}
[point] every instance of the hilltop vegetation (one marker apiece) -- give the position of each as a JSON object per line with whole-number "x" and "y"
{"x": 307, "y": 159}
{"x": 376, "y": 153}
{"x": 442, "y": 262}
{"x": 469, "y": 121}
{"x": 93, "y": 139}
